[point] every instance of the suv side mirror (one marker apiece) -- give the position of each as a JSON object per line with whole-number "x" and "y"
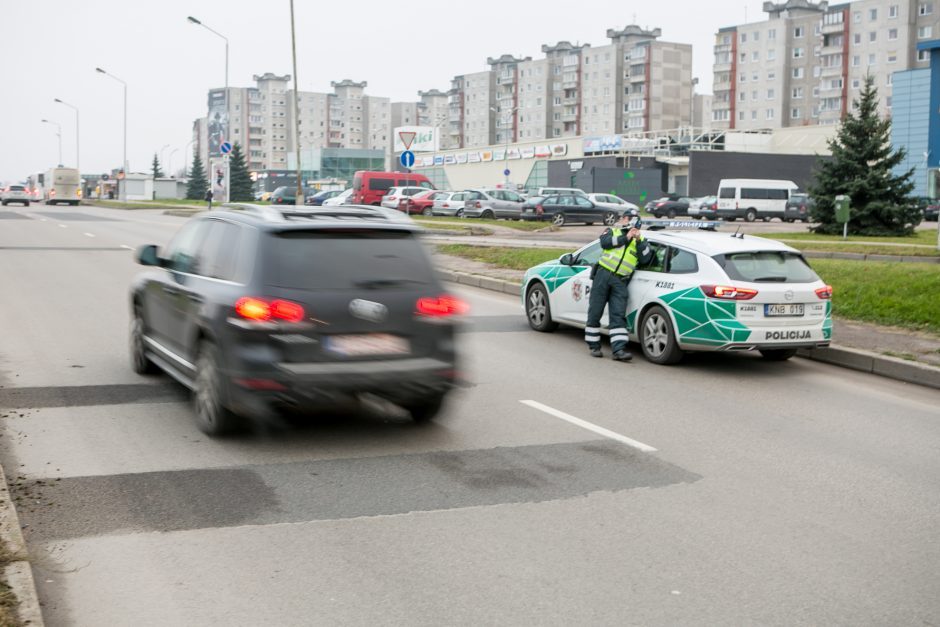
{"x": 566, "y": 260}
{"x": 147, "y": 256}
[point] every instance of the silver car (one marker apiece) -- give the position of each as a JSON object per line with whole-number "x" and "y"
{"x": 449, "y": 204}
{"x": 15, "y": 193}
{"x": 615, "y": 206}
{"x": 493, "y": 203}
{"x": 395, "y": 197}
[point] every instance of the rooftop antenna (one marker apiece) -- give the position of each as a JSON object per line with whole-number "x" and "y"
{"x": 745, "y": 14}
{"x": 735, "y": 234}
{"x": 634, "y": 18}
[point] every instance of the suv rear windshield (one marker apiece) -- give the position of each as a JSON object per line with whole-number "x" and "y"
{"x": 767, "y": 267}
{"x": 17, "y": 188}
{"x": 346, "y": 259}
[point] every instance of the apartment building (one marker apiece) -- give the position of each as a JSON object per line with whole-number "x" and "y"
{"x": 562, "y": 102}
{"x": 807, "y": 62}
{"x": 472, "y": 101}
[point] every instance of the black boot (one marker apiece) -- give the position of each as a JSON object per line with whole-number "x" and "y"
{"x": 623, "y": 355}
{"x": 596, "y": 352}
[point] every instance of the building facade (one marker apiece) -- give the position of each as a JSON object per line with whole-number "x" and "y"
{"x": 806, "y": 63}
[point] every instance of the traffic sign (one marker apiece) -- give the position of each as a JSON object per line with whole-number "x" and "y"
{"x": 407, "y": 158}
{"x": 506, "y": 172}
{"x": 226, "y": 148}
{"x": 407, "y": 137}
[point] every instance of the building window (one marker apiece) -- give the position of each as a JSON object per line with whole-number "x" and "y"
{"x": 855, "y": 83}
{"x": 754, "y": 95}
{"x": 922, "y": 55}
{"x": 872, "y": 36}
{"x": 857, "y": 17}
{"x": 797, "y": 92}
{"x": 770, "y": 94}
{"x": 797, "y": 72}
{"x": 893, "y": 11}
{"x": 925, "y": 8}
{"x": 772, "y": 34}
{"x": 892, "y": 58}
{"x": 743, "y": 78}
{"x": 754, "y": 114}
{"x": 797, "y": 53}
{"x": 857, "y": 38}
{"x": 872, "y": 15}
{"x": 772, "y": 75}
{"x": 795, "y": 114}
{"x": 743, "y": 38}
{"x": 743, "y": 57}
{"x": 741, "y": 115}
{"x": 755, "y": 56}
{"x": 892, "y": 34}
{"x": 889, "y": 80}
{"x": 925, "y": 32}
{"x": 872, "y": 59}
{"x": 856, "y": 61}
{"x": 771, "y": 54}
{"x": 770, "y": 114}
{"x": 798, "y": 32}
{"x": 756, "y": 77}
{"x": 742, "y": 96}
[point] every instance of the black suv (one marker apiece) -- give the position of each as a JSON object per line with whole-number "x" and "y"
{"x": 260, "y": 308}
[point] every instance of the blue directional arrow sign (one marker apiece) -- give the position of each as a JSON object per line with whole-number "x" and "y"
{"x": 407, "y": 159}
{"x": 226, "y": 148}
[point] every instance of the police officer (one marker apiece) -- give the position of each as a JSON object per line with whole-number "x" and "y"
{"x": 624, "y": 250}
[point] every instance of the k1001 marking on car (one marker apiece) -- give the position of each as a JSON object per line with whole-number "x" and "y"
{"x": 703, "y": 290}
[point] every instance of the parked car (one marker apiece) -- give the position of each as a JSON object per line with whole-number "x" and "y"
{"x": 671, "y": 208}
{"x": 370, "y": 187}
{"x": 343, "y": 198}
{"x": 397, "y": 197}
{"x": 566, "y": 208}
{"x": 615, "y": 204}
{"x": 450, "y": 204}
{"x": 553, "y": 191}
{"x": 423, "y": 203}
{"x": 932, "y": 211}
{"x": 286, "y": 195}
{"x": 493, "y": 203}
{"x": 317, "y": 199}
{"x": 264, "y": 308}
{"x": 704, "y": 208}
{"x": 798, "y": 207}
{"x": 14, "y": 194}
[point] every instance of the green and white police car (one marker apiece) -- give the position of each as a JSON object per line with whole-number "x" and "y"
{"x": 703, "y": 291}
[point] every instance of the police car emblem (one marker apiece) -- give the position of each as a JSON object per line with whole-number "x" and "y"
{"x": 577, "y": 290}
{"x": 368, "y": 310}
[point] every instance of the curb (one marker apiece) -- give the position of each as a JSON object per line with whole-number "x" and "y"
{"x": 852, "y": 358}
{"x": 18, "y": 574}
{"x": 811, "y": 254}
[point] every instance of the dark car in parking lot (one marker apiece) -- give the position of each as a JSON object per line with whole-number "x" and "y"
{"x": 316, "y": 200}
{"x": 564, "y": 208}
{"x": 286, "y": 195}
{"x": 666, "y": 207}
{"x": 932, "y": 211}
{"x": 799, "y": 207}
{"x": 266, "y": 308}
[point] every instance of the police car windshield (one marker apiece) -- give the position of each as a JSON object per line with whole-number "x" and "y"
{"x": 767, "y": 266}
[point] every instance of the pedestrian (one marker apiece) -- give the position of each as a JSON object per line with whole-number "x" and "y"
{"x": 624, "y": 249}
{"x": 209, "y": 198}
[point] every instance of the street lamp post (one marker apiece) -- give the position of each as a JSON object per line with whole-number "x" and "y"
{"x": 299, "y": 199}
{"x": 77, "y": 137}
{"x": 228, "y": 183}
{"x": 162, "y": 160}
{"x": 506, "y": 148}
{"x": 692, "y": 111}
{"x": 170, "y": 167}
{"x": 59, "y": 134}
{"x": 124, "y": 162}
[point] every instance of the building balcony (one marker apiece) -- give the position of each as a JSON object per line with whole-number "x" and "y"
{"x": 719, "y": 48}
{"x": 830, "y": 50}
{"x": 569, "y": 84}
{"x": 829, "y": 29}
{"x": 721, "y": 67}
{"x": 569, "y": 117}
{"x": 570, "y": 100}
{"x": 831, "y": 70}
{"x": 637, "y": 78}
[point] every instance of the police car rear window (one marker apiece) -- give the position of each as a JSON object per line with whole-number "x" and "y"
{"x": 346, "y": 259}
{"x": 767, "y": 267}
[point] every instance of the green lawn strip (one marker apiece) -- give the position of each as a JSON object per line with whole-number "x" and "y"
{"x": 519, "y": 225}
{"x": 920, "y": 238}
{"x": 866, "y": 249}
{"x": 895, "y": 294}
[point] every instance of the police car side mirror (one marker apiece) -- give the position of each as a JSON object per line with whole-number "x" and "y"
{"x": 566, "y": 260}
{"x": 149, "y": 256}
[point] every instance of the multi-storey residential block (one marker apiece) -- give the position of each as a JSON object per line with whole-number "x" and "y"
{"x": 807, "y": 62}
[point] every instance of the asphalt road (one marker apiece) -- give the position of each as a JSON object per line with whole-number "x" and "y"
{"x": 725, "y": 490}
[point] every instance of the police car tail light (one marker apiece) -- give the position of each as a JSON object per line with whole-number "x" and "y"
{"x": 261, "y": 310}
{"x": 728, "y": 292}
{"x": 825, "y": 292}
{"x": 440, "y": 306}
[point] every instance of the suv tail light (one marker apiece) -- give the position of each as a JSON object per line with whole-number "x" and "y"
{"x": 261, "y": 310}
{"x": 440, "y": 306}
{"x": 479, "y": 205}
{"x": 728, "y": 292}
{"x": 539, "y": 210}
{"x": 825, "y": 293}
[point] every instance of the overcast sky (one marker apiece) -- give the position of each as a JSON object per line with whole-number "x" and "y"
{"x": 49, "y": 49}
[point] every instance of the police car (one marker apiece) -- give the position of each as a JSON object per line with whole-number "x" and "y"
{"x": 703, "y": 291}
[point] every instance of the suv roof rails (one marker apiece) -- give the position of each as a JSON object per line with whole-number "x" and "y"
{"x": 282, "y": 213}
{"x": 659, "y": 225}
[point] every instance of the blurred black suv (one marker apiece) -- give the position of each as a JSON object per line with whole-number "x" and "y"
{"x": 263, "y": 308}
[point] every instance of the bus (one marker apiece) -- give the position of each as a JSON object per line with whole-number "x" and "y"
{"x": 753, "y": 198}
{"x": 62, "y": 185}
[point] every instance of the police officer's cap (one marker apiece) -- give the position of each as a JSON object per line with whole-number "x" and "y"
{"x": 630, "y": 213}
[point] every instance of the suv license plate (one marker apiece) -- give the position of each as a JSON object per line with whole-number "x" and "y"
{"x": 772, "y": 311}
{"x": 367, "y": 344}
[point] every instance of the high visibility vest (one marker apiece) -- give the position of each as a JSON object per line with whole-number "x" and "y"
{"x": 621, "y": 261}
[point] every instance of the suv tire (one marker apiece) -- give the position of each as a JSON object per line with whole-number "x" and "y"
{"x": 140, "y": 363}
{"x": 212, "y": 417}
{"x": 657, "y": 338}
{"x": 488, "y": 215}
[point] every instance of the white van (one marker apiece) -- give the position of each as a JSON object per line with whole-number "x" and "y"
{"x": 753, "y": 198}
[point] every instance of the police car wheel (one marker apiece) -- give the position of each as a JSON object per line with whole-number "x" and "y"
{"x": 610, "y": 218}
{"x": 778, "y": 354}
{"x": 657, "y": 338}
{"x": 538, "y": 310}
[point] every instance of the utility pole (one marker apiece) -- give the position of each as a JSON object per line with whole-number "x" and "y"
{"x": 299, "y": 200}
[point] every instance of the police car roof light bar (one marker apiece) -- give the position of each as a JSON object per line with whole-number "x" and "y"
{"x": 659, "y": 225}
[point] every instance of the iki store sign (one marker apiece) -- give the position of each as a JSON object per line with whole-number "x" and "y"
{"x": 425, "y": 138}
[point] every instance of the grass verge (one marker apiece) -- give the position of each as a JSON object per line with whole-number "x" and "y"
{"x": 894, "y": 294}
{"x": 922, "y": 238}
{"x": 866, "y": 249}
{"x": 518, "y": 225}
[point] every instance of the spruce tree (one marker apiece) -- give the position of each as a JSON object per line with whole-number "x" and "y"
{"x": 157, "y": 172}
{"x": 197, "y": 185}
{"x": 861, "y": 167}
{"x": 240, "y": 189}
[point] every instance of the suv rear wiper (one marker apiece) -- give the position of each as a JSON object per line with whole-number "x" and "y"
{"x": 770, "y": 279}
{"x": 377, "y": 283}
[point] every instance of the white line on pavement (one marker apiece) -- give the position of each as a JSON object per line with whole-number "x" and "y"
{"x": 90, "y": 234}
{"x": 127, "y": 247}
{"x": 584, "y": 424}
{"x": 64, "y": 226}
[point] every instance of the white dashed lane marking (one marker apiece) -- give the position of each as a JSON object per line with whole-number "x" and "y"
{"x": 90, "y": 234}
{"x": 584, "y": 424}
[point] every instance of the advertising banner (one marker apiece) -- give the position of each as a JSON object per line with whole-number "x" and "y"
{"x": 218, "y": 122}
{"x": 559, "y": 150}
{"x": 425, "y": 140}
{"x": 606, "y": 143}
{"x": 527, "y": 152}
